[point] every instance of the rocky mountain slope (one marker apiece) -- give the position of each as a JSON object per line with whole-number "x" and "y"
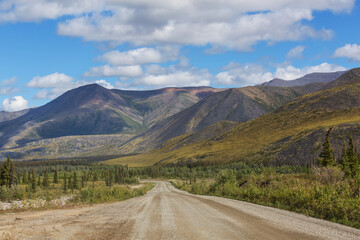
{"x": 94, "y": 110}
{"x": 237, "y": 105}
{"x": 292, "y": 134}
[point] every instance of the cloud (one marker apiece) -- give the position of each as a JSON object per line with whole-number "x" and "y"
{"x": 176, "y": 79}
{"x": 15, "y": 103}
{"x": 141, "y": 56}
{"x": 228, "y": 24}
{"x": 178, "y": 75}
{"x": 296, "y": 52}
{"x": 55, "y": 92}
{"x": 350, "y": 51}
{"x": 37, "y": 10}
{"x": 234, "y": 30}
{"x": 114, "y": 71}
{"x": 9, "y": 81}
{"x": 291, "y": 72}
{"x": 241, "y": 75}
{"x": 53, "y": 85}
{"x": 6, "y": 91}
{"x": 52, "y": 80}
{"x": 251, "y": 74}
{"x": 104, "y": 83}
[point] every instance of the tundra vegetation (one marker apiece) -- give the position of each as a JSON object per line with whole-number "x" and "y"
{"x": 330, "y": 190}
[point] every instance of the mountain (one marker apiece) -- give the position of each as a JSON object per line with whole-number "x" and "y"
{"x": 236, "y": 105}
{"x": 352, "y": 77}
{"x": 307, "y": 79}
{"x": 6, "y": 116}
{"x": 94, "y": 110}
{"x": 292, "y": 134}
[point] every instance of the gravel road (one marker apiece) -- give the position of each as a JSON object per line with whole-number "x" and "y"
{"x": 168, "y": 213}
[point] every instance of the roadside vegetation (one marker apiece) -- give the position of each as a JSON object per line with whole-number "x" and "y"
{"x": 329, "y": 191}
{"x": 41, "y": 184}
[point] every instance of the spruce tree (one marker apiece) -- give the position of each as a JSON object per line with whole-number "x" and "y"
{"x": 33, "y": 181}
{"x": 70, "y": 185}
{"x": 25, "y": 178}
{"x": 75, "y": 182}
{"x": 56, "y": 176}
{"x": 65, "y": 183}
{"x": 39, "y": 180}
{"x": 344, "y": 162}
{"x": 8, "y": 173}
{"x": 83, "y": 180}
{"x": 327, "y": 155}
{"x": 45, "y": 182}
{"x": 352, "y": 157}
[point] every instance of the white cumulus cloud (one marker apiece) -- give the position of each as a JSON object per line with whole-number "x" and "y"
{"x": 141, "y": 56}
{"x": 114, "y": 71}
{"x": 52, "y": 80}
{"x": 53, "y": 85}
{"x": 156, "y": 76}
{"x": 237, "y": 74}
{"x": 350, "y": 51}
{"x": 15, "y": 103}
{"x": 104, "y": 83}
{"x": 227, "y": 24}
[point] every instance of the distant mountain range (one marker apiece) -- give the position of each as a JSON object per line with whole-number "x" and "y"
{"x": 184, "y": 125}
{"x": 292, "y": 134}
{"x": 94, "y": 110}
{"x": 7, "y": 116}
{"x": 307, "y": 79}
{"x": 236, "y": 105}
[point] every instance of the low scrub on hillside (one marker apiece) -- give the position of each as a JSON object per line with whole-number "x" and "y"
{"x": 323, "y": 194}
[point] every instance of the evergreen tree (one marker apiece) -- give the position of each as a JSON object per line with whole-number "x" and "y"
{"x": 65, "y": 183}
{"x": 70, "y": 185}
{"x": 39, "y": 180}
{"x": 327, "y": 154}
{"x": 344, "y": 162}
{"x": 8, "y": 173}
{"x": 75, "y": 182}
{"x": 352, "y": 157}
{"x": 56, "y": 176}
{"x": 33, "y": 181}
{"x": 25, "y": 178}
{"x": 45, "y": 182}
{"x": 83, "y": 180}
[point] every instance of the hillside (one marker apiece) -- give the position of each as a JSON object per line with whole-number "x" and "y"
{"x": 236, "y": 104}
{"x": 292, "y": 134}
{"x": 307, "y": 79}
{"x": 7, "y": 116}
{"x": 94, "y": 110}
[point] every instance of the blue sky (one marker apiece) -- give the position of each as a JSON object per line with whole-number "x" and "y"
{"x": 48, "y": 47}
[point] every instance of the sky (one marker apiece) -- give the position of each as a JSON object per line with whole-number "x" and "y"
{"x": 50, "y": 46}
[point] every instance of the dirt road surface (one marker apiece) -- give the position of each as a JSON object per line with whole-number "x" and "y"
{"x": 168, "y": 213}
